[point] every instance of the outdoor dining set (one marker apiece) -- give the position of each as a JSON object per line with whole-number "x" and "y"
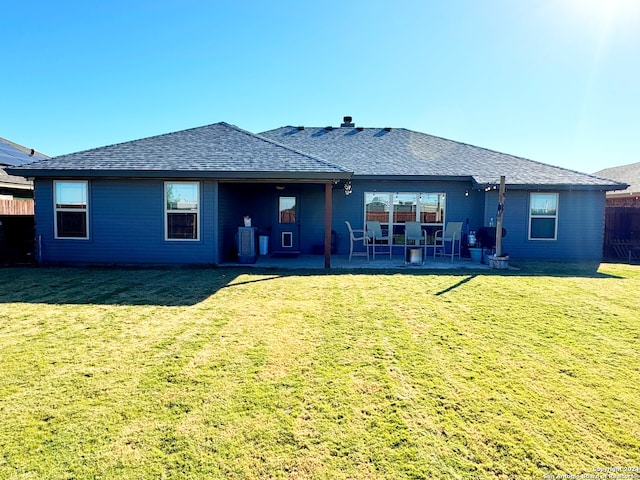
{"x": 374, "y": 240}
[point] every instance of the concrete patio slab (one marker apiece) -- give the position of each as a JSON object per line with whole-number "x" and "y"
{"x": 341, "y": 262}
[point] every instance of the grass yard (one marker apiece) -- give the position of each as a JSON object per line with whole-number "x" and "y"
{"x": 227, "y": 373}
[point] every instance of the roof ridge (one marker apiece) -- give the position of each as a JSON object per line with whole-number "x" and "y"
{"x": 223, "y": 123}
{"x": 410, "y": 153}
{"x": 619, "y": 167}
{"x": 490, "y": 150}
{"x": 291, "y": 149}
{"x": 135, "y": 140}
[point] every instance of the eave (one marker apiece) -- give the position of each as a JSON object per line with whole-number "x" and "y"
{"x": 191, "y": 174}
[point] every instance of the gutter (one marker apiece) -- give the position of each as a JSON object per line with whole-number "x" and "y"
{"x": 226, "y": 175}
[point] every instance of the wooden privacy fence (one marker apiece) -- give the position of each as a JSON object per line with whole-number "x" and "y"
{"x": 622, "y": 233}
{"x": 16, "y": 207}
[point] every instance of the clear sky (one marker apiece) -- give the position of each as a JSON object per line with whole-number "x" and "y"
{"x": 556, "y": 81}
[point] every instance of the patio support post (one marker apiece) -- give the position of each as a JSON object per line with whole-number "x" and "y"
{"x": 499, "y": 217}
{"x": 327, "y": 224}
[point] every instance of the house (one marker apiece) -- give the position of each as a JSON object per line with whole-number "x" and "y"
{"x": 16, "y": 202}
{"x": 622, "y": 214}
{"x": 179, "y": 198}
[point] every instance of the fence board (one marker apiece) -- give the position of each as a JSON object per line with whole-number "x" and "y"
{"x": 16, "y": 207}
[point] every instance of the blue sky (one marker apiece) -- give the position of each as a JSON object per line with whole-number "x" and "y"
{"x": 556, "y": 81}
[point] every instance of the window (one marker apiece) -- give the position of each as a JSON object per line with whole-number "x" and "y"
{"x": 543, "y": 216}
{"x": 182, "y": 210}
{"x": 392, "y": 210}
{"x": 71, "y": 209}
{"x": 404, "y": 207}
{"x": 432, "y": 208}
{"x": 287, "y": 210}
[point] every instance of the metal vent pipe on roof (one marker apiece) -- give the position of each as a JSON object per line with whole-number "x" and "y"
{"x": 347, "y": 122}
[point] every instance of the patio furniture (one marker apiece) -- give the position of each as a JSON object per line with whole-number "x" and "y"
{"x": 414, "y": 235}
{"x": 451, "y": 234}
{"x": 357, "y": 235}
{"x": 375, "y": 237}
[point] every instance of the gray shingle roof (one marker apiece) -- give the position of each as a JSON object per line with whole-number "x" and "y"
{"x": 225, "y": 151}
{"x": 629, "y": 174}
{"x": 380, "y": 152}
{"x": 217, "y": 150}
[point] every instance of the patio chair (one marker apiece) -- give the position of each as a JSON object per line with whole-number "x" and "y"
{"x": 452, "y": 234}
{"x": 356, "y": 235}
{"x": 414, "y": 233}
{"x": 374, "y": 232}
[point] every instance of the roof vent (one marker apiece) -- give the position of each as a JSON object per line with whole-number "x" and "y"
{"x": 387, "y": 129}
{"x": 347, "y": 122}
{"x": 301, "y": 127}
{"x": 360, "y": 129}
{"x": 32, "y": 153}
{"x": 328, "y": 128}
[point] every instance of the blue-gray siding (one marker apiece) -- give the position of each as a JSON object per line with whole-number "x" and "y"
{"x": 126, "y": 220}
{"x": 126, "y": 225}
{"x": 580, "y": 226}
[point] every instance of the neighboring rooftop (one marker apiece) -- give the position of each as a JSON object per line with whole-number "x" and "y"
{"x": 629, "y": 174}
{"x": 384, "y": 152}
{"x": 219, "y": 150}
{"x": 12, "y": 154}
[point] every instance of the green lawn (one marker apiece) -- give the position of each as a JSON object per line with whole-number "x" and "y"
{"x": 227, "y": 373}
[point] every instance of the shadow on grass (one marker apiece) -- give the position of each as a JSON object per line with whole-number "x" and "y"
{"x": 190, "y": 286}
{"x": 456, "y": 285}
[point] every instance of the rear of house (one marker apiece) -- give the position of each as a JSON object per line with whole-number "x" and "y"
{"x": 180, "y": 198}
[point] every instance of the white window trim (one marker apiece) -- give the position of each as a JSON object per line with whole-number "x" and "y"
{"x": 76, "y": 210}
{"x": 167, "y": 211}
{"x": 531, "y": 216}
{"x": 417, "y": 219}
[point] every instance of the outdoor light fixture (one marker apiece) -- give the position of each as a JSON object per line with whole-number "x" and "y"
{"x": 348, "y": 190}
